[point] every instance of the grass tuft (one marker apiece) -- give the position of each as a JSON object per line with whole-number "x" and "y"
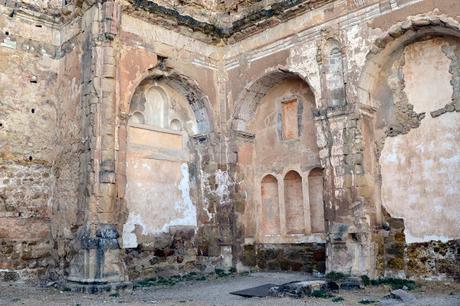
{"x": 366, "y": 280}
{"x": 366, "y": 302}
{"x": 395, "y": 283}
{"x": 335, "y": 276}
{"x": 321, "y": 294}
{"x": 337, "y": 299}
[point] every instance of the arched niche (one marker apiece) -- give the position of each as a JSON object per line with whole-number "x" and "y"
{"x": 196, "y": 99}
{"x": 161, "y": 190}
{"x": 294, "y": 204}
{"x": 270, "y": 222}
{"x": 315, "y": 186}
{"x": 411, "y": 82}
{"x": 385, "y": 47}
{"x": 278, "y": 133}
{"x": 250, "y": 98}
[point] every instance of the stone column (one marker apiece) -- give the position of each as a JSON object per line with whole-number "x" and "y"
{"x": 97, "y": 263}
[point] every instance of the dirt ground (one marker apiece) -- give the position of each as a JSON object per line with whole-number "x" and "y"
{"x": 215, "y": 291}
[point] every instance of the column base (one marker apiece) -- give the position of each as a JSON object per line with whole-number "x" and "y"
{"x": 97, "y": 266}
{"x": 93, "y": 286}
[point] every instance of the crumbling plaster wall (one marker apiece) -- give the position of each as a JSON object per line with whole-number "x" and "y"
{"x": 420, "y": 168}
{"x": 191, "y": 70}
{"x": 299, "y": 154}
{"x": 345, "y": 133}
{"x": 414, "y": 109}
{"x": 335, "y": 128}
{"x": 159, "y": 185}
{"x": 68, "y": 141}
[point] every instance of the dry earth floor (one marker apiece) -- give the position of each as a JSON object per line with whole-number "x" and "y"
{"x": 215, "y": 291}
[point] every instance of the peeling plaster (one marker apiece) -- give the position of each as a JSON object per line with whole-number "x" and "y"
{"x": 425, "y": 238}
{"x": 182, "y": 214}
{"x": 302, "y": 59}
{"x": 184, "y": 207}
{"x": 426, "y": 63}
{"x": 204, "y": 186}
{"x": 421, "y": 168}
{"x": 223, "y": 181}
{"x": 420, "y": 179}
{"x": 129, "y": 237}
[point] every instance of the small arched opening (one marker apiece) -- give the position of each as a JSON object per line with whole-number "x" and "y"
{"x": 270, "y": 206}
{"x": 293, "y": 203}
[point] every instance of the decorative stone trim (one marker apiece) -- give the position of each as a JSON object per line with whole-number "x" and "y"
{"x": 413, "y": 23}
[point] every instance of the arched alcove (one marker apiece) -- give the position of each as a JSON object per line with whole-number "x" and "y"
{"x": 188, "y": 88}
{"x": 249, "y": 99}
{"x": 278, "y": 117}
{"x": 293, "y": 203}
{"x": 161, "y": 187}
{"x": 270, "y": 206}
{"x": 411, "y": 79}
{"x": 315, "y": 186}
{"x": 385, "y": 47}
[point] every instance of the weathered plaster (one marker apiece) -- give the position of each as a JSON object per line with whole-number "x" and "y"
{"x": 426, "y": 75}
{"x": 155, "y": 215}
{"x": 420, "y": 177}
{"x": 419, "y": 170}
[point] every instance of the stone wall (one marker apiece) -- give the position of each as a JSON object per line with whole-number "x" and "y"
{"x": 41, "y": 145}
{"x": 430, "y": 260}
{"x": 168, "y": 254}
{"x": 68, "y": 79}
{"x": 306, "y": 257}
{"x": 71, "y": 148}
{"x": 29, "y": 72}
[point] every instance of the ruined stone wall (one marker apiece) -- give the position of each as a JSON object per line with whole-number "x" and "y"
{"x": 345, "y": 132}
{"x": 71, "y": 149}
{"x": 306, "y": 257}
{"x": 201, "y": 233}
{"x": 66, "y": 90}
{"x": 417, "y": 180}
{"x": 40, "y": 145}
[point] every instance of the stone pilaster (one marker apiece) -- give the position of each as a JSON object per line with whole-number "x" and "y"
{"x": 97, "y": 263}
{"x": 350, "y": 221}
